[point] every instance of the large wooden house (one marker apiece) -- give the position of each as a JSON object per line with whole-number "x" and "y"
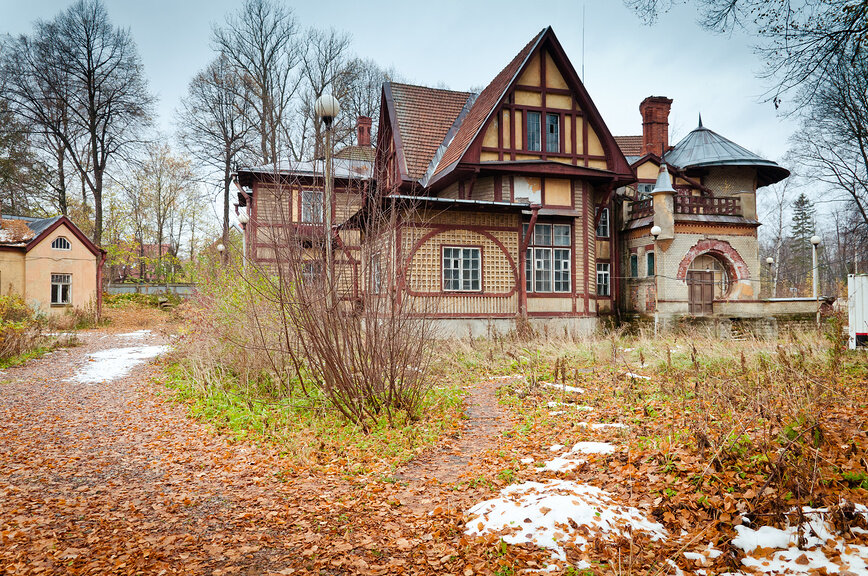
{"x": 517, "y": 203}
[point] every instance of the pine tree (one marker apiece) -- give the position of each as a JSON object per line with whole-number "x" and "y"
{"x": 803, "y": 226}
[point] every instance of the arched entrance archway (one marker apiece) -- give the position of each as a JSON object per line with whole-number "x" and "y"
{"x": 710, "y": 269}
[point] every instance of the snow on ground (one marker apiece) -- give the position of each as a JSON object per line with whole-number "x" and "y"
{"x": 576, "y": 406}
{"x": 136, "y": 335}
{"x": 790, "y": 558}
{"x": 554, "y": 513}
{"x": 108, "y": 365}
{"x": 563, "y": 387}
{"x": 593, "y": 448}
{"x": 636, "y": 376}
{"x": 561, "y": 464}
{"x": 601, "y": 425}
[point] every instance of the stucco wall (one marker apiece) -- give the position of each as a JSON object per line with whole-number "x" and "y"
{"x": 42, "y": 261}
{"x": 11, "y": 272}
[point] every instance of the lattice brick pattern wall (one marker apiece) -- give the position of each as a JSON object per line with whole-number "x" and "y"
{"x": 728, "y": 181}
{"x": 425, "y": 267}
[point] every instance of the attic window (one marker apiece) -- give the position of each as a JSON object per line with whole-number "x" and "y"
{"x": 553, "y": 132}
{"x": 533, "y": 131}
{"x": 61, "y": 243}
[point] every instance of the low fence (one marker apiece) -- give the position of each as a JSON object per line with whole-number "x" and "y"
{"x": 182, "y": 290}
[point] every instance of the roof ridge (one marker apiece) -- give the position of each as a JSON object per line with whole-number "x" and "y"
{"x": 484, "y": 99}
{"x": 448, "y": 138}
{"x": 430, "y": 87}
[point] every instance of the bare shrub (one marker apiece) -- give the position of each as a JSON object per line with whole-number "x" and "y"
{"x": 20, "y": 327}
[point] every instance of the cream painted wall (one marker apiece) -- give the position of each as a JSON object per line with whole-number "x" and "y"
{"x": 11, "y": 272}
{"x": 42, "y": 261}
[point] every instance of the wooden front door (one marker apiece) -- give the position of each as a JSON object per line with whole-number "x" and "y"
{"x": 700, "y": 292}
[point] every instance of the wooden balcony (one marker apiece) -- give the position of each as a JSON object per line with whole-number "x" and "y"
{"x": 704, "y": 205}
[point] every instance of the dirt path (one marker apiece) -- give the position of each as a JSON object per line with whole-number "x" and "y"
{"x": 108, "y": 477}
{"x": 454, "y": 459}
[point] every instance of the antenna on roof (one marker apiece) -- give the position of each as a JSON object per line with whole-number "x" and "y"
{"x": 583, "y": 42}
{"x": 700, "y": 120}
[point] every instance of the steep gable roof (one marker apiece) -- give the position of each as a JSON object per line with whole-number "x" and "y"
{"x": 485, "y": 105}
{"x": 423, "y": 117}
{"x": 493, "y": 95}
{"x": 630, "y": 145}
{"x": 38, "y": 229}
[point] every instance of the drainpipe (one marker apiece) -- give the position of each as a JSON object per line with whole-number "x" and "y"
{"x": 522, "y": 257}
{"x": 99, "y": 273}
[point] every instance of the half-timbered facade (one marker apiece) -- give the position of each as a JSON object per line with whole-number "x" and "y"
{"x": 507, "y": 193}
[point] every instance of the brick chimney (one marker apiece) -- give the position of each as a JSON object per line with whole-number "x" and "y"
{"x": 655, "y": 124}
{"x": 363, "y": 128}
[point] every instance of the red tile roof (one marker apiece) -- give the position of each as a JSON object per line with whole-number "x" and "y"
{"x": 424, "y": 116}
{"x": 485, "y": 104}
{"x": 630, "y": 145}
{"x": 361, "y": 153}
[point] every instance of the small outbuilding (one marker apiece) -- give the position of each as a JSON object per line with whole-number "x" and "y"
{"x": 50, "y": 263}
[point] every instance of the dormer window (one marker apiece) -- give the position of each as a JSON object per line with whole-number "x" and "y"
{"x": 61, "y": 243}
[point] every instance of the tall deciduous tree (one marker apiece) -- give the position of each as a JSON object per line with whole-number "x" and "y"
{"x": 79, "y": 80}
{"x": 260, "y": 42}
{"x": 214, "y": 124}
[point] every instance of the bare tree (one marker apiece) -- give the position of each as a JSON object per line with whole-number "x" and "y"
{"x": 214, "y": 124}
{"x": 260, "y": 42}
{"x": 83, "y": 65}
{"x": 801, "y": 40}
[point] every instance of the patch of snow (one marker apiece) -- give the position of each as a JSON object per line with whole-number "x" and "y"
{"x": 636, "y": 376}
{"x": 704, "y": 556}
{"x": 557, "y": 512}
{"x": 602, "y": 425}
{"x": 576, "y": 406}
{"x": 561, "y": 464}
{"x": 817, "y": 535}
{"x": 108, "y": 365}
{"x": 563, "y": 387}
{"x": 556, "y": 412}
{"x": 556, "y": 448}
{"x": 672, "y": 563}
{"x": 526, "y": 460}
{"x": 136, "y": 335}
{"x": 593, "y": 448}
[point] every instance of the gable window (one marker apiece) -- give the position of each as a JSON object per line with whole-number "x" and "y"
{"x": 548, "y": 257}
{"x": 603, "y": 224}
{"x": 311, "y": 206}
{"x": 634, "y": 265}
{"x": 649, "y": 263}
{"x": 533, "y": 131}
{"x": 553, "y": 132}
{"x": 61, "y": 243}
{"x": 644, "y": 189}
{"x": 461, "y": 269}
{"x": 61, "y": 289}
{"x": 602, "y": 278}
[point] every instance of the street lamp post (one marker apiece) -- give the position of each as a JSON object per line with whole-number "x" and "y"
{"x": 771, "y": 261}
{"x": 815, "y": 241}
{"x": 243, "y": 219}
{"x": 655, "y": 232}
{"x": 327, "y": 107}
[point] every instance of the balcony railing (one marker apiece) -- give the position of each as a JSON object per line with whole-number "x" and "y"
{"x": 709, "y": 205}
{"x": 706, "y": 205}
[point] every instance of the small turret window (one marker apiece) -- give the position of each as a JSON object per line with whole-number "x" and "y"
{"x": 61, "y": 243}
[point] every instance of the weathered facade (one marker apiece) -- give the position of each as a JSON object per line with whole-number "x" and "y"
{"x": 50, "y": 263}
{"x": 517, "y": 203}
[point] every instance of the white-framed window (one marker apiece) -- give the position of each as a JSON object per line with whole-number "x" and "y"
{"x": 376, "y": 277}
{"x": 534, "y": 131}
{"x": 553, "y": 132}
{"x": 603, "y": 279}
{"x": 649, "y": 263}
{"x": 462, "y": 269}
{"x": 311, "y": 206}
{"x": 547, "y": 260}
{"x": 603, "y": 224}
{"x": 61, "y": 243}
{"x": 61, "y": 289}
{"x": 644, "y": 189}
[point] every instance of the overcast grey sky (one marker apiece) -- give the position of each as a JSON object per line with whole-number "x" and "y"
{"x": 464, "y": 44}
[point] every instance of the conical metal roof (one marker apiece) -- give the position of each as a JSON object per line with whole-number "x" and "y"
{"x": 704, "y": 148}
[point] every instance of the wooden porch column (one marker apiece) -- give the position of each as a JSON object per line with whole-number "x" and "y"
{"x": 523, "y": 241}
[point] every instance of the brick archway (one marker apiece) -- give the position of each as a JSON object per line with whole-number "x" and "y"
{"x": 735, "y": 265}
